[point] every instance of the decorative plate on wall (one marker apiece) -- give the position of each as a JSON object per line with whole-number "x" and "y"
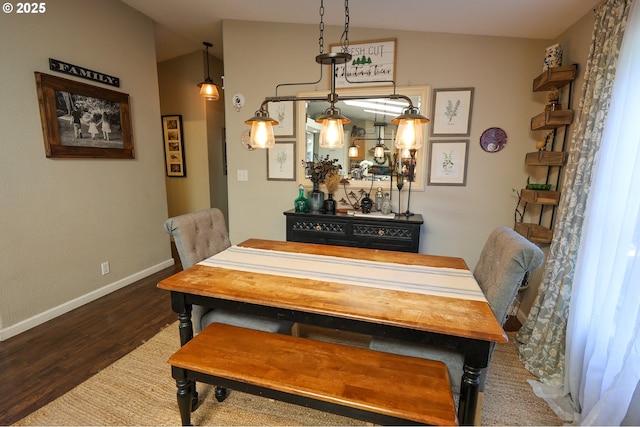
{"x": 493, "y": 140}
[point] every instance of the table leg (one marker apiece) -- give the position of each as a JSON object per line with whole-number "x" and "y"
{"x": 185, "y": 397}
{"x": 469, "y": 389}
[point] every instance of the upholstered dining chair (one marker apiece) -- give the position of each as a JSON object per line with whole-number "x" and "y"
{"x": 504, "y": 261}
{"x": 199, "y": 235}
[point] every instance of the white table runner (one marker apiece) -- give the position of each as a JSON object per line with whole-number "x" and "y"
{"x": 447, "y": 282}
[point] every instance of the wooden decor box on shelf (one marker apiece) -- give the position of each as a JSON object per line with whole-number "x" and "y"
{"x": 554, "y": 77}
{"x": 545, "y": 158}
{"x": 551, "y": 119}
{"x": 534, "y": 232}
{"x": 541, "y": 197}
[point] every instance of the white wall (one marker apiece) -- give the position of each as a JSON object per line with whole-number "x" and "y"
{"x": 457, "y": 219}
{"x": 61, "y": 218}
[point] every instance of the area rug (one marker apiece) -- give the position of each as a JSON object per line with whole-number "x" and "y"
{"x": 138, "y": 390}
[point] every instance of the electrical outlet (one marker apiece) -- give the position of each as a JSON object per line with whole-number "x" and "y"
{"x": 105, "y": 268}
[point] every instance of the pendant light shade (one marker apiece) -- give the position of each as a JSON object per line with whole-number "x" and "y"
{"x": 262, "y": 130}
{"x": 410, "y": 124}
{"x": 353, "y": 150}
{"x": 208, "y": 89}
{"x": 332, "y": 130}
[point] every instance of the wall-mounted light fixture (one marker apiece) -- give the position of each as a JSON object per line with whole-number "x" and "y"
{"x": 332, "y": 131}
{"x": 208, "y": 89}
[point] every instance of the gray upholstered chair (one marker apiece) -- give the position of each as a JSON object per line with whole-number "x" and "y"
{"x": 198, "y": 236}
{"x": 504, "y": 261}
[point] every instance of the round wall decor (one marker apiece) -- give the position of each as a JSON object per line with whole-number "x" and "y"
{"x": 493, "y": 140}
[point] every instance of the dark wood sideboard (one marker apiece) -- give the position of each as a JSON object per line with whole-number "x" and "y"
{"x": 400, "y": 233}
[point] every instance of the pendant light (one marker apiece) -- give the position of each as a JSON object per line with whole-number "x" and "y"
{"x": 332, "y": 130}
{"x": 208, "y": 89}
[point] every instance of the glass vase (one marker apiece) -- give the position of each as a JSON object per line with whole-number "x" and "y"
{"x": 330, "y": 205}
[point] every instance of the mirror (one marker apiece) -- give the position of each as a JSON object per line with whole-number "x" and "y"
{"x": 370, "y": 125}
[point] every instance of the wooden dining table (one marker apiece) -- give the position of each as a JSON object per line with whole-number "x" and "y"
{"x": 460, "y": 320}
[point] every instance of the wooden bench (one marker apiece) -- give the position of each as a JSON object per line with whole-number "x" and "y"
{"x": 363, "y": 384}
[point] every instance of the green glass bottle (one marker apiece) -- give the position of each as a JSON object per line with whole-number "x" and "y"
{"x": 301, "y": 204}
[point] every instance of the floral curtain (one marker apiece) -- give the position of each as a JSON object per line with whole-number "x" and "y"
{"x": 541, "y": 340}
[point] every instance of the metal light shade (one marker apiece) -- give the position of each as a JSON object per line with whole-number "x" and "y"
{"x": 209, "y": 90}
{"x": 332, "y": 131}
{"x": 409, "y": 133}
{"x": 262, "y": 130}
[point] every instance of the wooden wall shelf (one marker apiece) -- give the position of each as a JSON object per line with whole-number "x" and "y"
{"x": 534, "y": 232}
{"x": 554, "y": 78}
{"x": 545, "y": 158}
{"x": 540, "y": 197}
{"x": 551, "y": 119}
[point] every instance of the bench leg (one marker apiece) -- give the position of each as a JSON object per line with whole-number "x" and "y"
{"x": 469, "y": 390}
{"x": 185, "y": 399}
{"x": 221, "y": 393}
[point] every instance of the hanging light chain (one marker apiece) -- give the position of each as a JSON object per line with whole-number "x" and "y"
{"x": 321, "y": 39}
{"x": 344, "y": 40}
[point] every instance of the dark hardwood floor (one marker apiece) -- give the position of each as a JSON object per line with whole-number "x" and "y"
{"x": 47, "y": 361}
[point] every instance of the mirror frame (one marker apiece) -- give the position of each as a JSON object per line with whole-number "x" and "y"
{"x": 421, "y": 155}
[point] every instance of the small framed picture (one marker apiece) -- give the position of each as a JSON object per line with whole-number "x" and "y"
{"x": 284, "y": 113}
{"x": 174, "y": 146}
{"x": 452, "y": 112}
{"x": 281, "y": 165}
{"x": 448, "y": 162}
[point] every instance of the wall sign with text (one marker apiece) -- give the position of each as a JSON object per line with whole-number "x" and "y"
{"x": 373, "y": 63}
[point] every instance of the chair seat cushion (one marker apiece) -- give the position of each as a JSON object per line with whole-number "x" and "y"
{"x": 249, "y": 321}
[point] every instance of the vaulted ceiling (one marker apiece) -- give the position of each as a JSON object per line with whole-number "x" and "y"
{"x": 182, "y": 25}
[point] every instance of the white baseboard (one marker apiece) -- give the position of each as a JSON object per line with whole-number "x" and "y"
{"x": 32, "y": 322}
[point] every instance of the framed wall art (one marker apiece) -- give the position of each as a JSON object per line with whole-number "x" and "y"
{"x": 281, "y": 165}
{"x": 83, "y": 121}
{"x": 373, "y": 63}
{"x": 174, "y": 146}
{"x": 448, "y": 162}
{"x": 284, "y": 113}
{"x": 452, "y": 112}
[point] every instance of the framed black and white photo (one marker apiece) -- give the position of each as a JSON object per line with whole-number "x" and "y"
{"x": 452, "y": 112}
{"x": 448, "y": 162}
{"x": 281, "y": 165}
{"x": 174, "y": 146}
{"x": 83, "y": 121}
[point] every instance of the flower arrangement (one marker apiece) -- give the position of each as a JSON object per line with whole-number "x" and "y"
{"x": 320, "y": 167}
{"x": 332, "y": 181}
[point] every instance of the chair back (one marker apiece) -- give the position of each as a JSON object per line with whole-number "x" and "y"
{"x": 198, "y": 235}
{"x": 505, "y": 259}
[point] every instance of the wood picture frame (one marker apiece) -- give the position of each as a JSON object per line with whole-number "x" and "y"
{"x": 448, "y": 162}
{"x": 174, "y": 146}
{"x": 452, "y": 112}
{"x": 281, "y": 161}
{"x": 284, "y": 113}
{"x": 83, "y": 121}
{"x": 373, "y": 63}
